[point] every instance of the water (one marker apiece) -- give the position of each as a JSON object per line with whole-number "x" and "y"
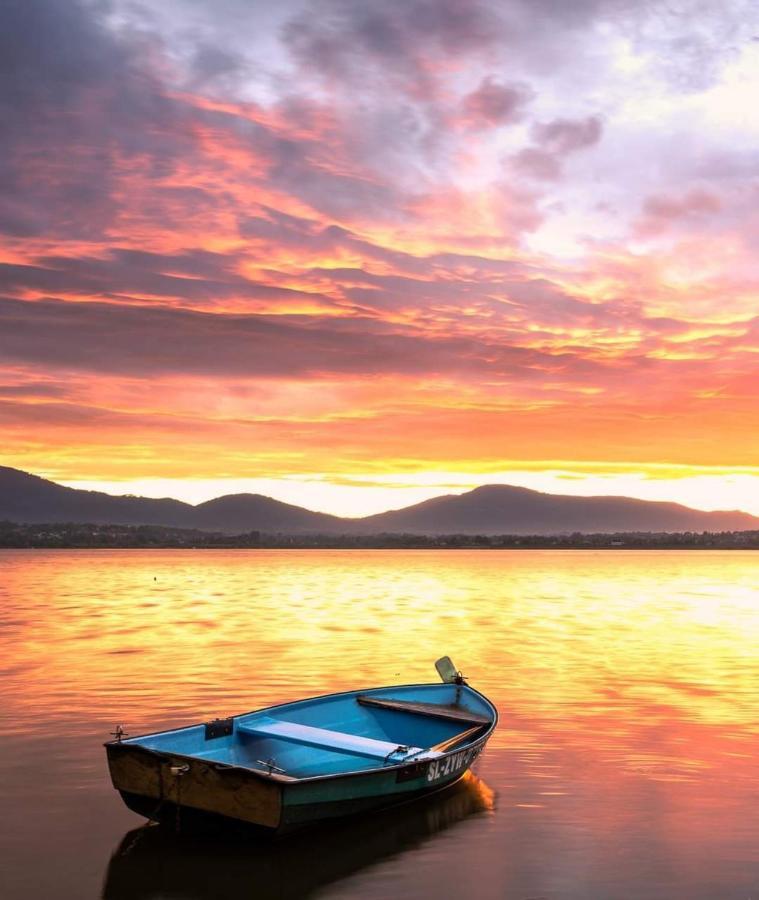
{"x": 624, "y": 767}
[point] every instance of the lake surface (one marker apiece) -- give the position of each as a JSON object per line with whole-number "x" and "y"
{"x": 624, "y": 767}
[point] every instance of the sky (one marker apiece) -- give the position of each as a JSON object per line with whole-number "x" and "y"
{"x": 356, "y": 253}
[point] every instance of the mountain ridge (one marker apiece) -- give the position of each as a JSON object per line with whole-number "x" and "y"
{"x": 487, "y": 509}
{"x": 481, "y": 511}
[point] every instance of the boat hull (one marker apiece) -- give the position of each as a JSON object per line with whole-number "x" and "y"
{"x": 307, "y": 803}
{"x": 176, "y": 787}
{"x": 152, "y": 783}
{"x": 204, "y": 795}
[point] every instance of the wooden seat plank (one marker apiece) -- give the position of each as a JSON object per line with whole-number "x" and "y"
{"x": 453, "y": 713}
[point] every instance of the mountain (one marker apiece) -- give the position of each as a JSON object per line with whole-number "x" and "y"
{"x": 503, "y": 509}
{"x": 246, "y": 512}
{"x": 492, "y": 509}
{"x": 27, "y": 498}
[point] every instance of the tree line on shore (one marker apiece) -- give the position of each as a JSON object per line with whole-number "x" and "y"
{"x": 74, "y": 535}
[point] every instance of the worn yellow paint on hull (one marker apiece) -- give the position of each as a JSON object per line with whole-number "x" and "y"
{"x": 197, "y": 784}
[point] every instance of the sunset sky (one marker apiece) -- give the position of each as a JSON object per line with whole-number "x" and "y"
{"x": 356, "y": 253}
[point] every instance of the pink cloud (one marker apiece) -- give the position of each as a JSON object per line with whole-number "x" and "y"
{"x": 493, "y": 104}
{"x": 661, "y": 211}
{"x": 552, "y": 142}
{"x": 355, "y": 222}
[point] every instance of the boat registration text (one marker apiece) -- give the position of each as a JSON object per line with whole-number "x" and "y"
{"x": 456, "y": 762}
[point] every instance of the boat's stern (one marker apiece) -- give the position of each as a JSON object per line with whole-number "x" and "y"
{"x": 152, "y": 783}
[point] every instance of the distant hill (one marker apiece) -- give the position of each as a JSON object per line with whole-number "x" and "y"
{"x": 503, "y": 509}
{"x": 238, "y": 512}
{"x": 27, "y": 498}
{"x": 492, "y": 509}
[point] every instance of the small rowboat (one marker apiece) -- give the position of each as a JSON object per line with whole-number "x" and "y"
{"x": 301, "y": 763}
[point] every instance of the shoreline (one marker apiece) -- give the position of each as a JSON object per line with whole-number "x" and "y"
{"x": 75, "y": 536}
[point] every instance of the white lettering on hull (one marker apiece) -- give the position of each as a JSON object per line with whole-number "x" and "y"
{"x": 451, "y": 765}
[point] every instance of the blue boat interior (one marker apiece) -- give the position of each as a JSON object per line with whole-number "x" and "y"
{"x": 339, "y": 733}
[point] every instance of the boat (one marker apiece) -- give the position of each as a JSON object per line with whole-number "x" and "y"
{"x": 298, "y": 764}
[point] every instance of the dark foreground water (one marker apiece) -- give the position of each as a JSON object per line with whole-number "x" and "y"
{"x": 625, "y": 766}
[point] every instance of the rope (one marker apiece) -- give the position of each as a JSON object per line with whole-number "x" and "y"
{"x": 401, "y": 748}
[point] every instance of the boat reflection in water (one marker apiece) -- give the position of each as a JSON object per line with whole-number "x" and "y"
{"x": 154, "y": 862}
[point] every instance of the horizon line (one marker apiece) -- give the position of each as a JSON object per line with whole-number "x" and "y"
{"x": 432, "y": 491}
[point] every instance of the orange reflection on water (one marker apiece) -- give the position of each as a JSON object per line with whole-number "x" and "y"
{"x": 566, "y": 636}
{"x": 627, "y": 682}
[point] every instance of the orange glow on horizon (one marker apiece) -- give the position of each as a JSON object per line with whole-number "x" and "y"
{"x": 372, "y": 492}
{"x": 281, "y": 288}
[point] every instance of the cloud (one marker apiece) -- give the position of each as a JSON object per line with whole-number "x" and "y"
{"x": 50, "y": 52}
{"x": 32, "y": 390}
{"x": 125, "y": 274}
{"x": 398, "y": 42}
{"x": 73, "y": 99}
{"x": 138, "y": 340}
{"x": 537, "y": 163}
{"x": 493, "y": 104}
{"x": 323, "y": 195}
{"x": 552, "y": 142}
{"x": 661, "y": 211}
{"x": 563, "y": 136}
